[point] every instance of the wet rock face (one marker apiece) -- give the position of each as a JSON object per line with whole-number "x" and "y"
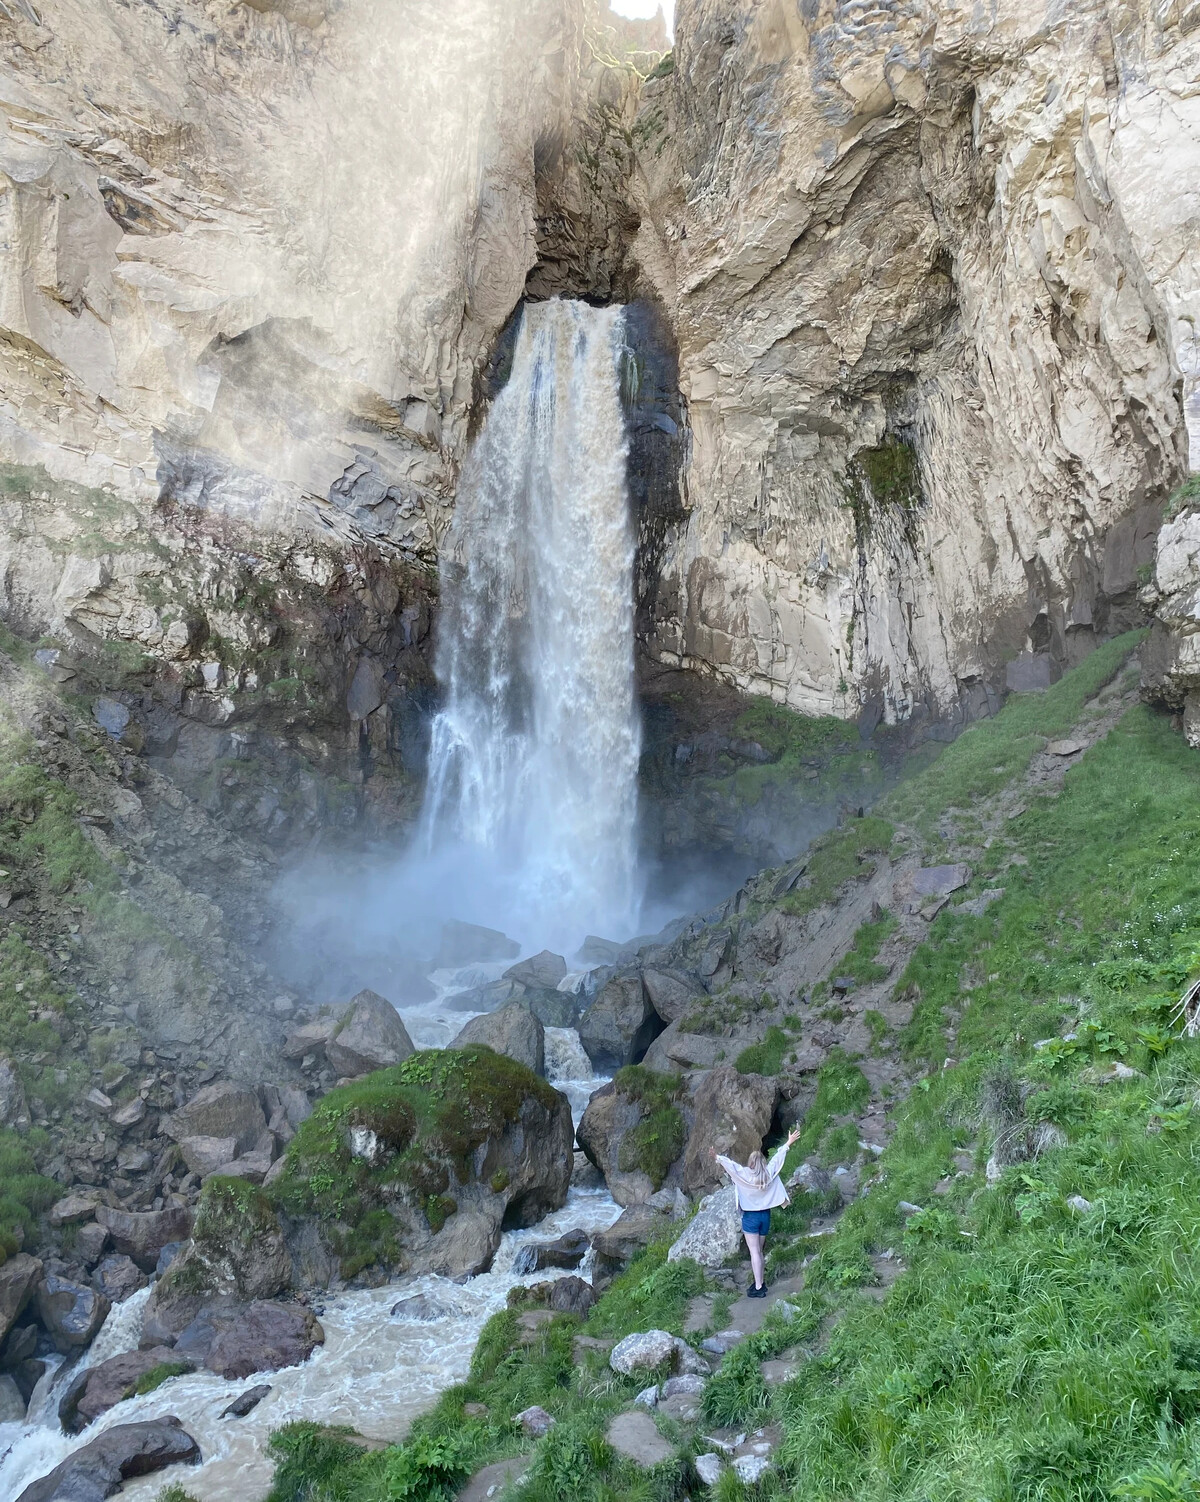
{"x": 857, "y": 349}
{"x": 513, "y": 1031}
{"x": 620, "y": 1024}
{"x": 126, "y": 1450}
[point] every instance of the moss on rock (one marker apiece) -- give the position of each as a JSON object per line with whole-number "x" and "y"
{"x": 430, "y": 1115}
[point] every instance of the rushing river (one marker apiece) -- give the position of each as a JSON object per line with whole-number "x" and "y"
{"x": 374, "y": 1372}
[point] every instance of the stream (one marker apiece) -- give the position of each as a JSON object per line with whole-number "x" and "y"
{"x": 375, "y": 1373}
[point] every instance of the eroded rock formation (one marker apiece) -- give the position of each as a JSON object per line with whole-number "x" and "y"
{"x": 934, "y": 301}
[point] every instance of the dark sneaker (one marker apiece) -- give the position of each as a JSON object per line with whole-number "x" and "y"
{"x": 758, "y": 1293}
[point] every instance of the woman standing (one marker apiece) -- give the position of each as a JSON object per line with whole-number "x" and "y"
{"x": 759, "y": 1191}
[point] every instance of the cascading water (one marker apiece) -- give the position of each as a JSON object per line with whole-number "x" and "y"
{"x": 533, "y": 760}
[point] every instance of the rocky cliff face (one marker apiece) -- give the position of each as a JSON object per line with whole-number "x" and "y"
{"x": 258, "y": 257}
{"x": 915, "y": 291}
{"x": 933, "y": 275}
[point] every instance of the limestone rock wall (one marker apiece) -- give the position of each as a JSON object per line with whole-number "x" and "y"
{"x": 934, "y": 277}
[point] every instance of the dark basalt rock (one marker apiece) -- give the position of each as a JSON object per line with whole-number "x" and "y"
{"x": 126, "y": 1450}
{"x": 249, "y": 1400}
{"x": 102, "y": 1387}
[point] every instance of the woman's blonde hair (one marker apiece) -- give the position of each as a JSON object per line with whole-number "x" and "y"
{"x": 756, "y": 1167}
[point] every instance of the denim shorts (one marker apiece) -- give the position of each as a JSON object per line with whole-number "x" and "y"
{"x": 756, "y": 1222}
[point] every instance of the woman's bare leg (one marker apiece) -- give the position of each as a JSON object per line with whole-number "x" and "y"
{"x": 755, "y": 1245}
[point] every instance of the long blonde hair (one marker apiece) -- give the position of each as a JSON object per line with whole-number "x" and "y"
{"x": 756, "y": 1168}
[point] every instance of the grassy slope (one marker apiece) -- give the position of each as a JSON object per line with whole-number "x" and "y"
{"x": 1032, "y": 1350}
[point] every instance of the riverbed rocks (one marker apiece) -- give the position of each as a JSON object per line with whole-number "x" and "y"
{"x": 117, "y": 1277}
{"x": 71, "y": 1312}
{"x": 101, "y": 1387}
{"x": 369, "y": 1036}
{"x": 263, "y": 1337}
{"x": 620, "y": 1024}
{"x": 514, "y": 1031}
{"x": 122, "y": 1452}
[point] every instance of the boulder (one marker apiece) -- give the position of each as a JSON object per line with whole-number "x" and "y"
{"x": 567, "y": 1250}
{"x": 469, "y": 943}
{"x": 117, "y": 1277}
{"x": 611, "y": 1114}
{"x": 714, "y": 1233}
{"x": 103, "y": 1386}
{"x": 571, "y": 1296}
{"x": 253, "y": 1167}
{"x": 98, "y": 1469}
{"x": 484, "y": 998}
{"x": 222, "y": 1109}
{"x": 205, "y": 1155}
{"x": 142, "y": 1234}
{"x": 369, "y": 1036}
{"x": 12, "y": 1401}
{"x": 424, "y": 1307}
{"x": 466, "y": 1244}
{"x": 553, "y": 1008}
{"x": 71, "y": 1312}
{"x": 672, "y": 993}
{"x": 72, "y": 1209}
{"x": 675, "y": 1049}
{"x": 238, "y": 1249}
{"x": 634, "y": 1435}
{"x": 14, "y": 1112}
{"x": 810, "y": 1179}
{"x": 309, "y": 1039}
{"x": 20, "y": 1345}
{"x": 630, "y": 1232}
{"x": 132, "y": 1114}
{"x": 18, "y": 1279}
{"x": 513, "y": 1031}
{"x": 644, "y": 1352}
{"x": 543, "y": 970}
{"x": 248, "y": 1401}
{"x": 708, "y": 1467}
{"x": 535, "y": 1421}
{"x": 620, "y": 1024}
{"x": 91, "y": 1241}
{"x": 263, "y": 1338}
{"x": 733, "y": 1114}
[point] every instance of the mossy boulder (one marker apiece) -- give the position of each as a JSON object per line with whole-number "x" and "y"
{"x": 420, "y": 1167}
{"x": 237, "y": 1253}
{"x": 634, "y": 1132}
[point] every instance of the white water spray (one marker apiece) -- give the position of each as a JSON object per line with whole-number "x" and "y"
{"x": 533, "y": 761}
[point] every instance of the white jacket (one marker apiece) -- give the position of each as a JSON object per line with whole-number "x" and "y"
{"x": 750, "y": 1196}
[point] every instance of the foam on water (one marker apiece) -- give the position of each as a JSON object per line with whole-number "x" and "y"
{"x": 374, "y": 1373}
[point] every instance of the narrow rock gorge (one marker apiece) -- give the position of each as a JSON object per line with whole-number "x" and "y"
{"x": 579, "y": 591}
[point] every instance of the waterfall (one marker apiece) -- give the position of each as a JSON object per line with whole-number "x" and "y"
{"x": 534, "y": 756}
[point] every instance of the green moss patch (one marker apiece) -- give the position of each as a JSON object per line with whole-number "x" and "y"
{"x": 430, "y": 1113}
{"x": 659, "y": 1137}
{"x": 157, "y": 1375}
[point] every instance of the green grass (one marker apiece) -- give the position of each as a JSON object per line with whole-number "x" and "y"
{"x": 765, "y": 1057}
{"x": 835, "y": 858}
{"x": 989, "y": 754}
{"x": 153, "y": 1379}
{"x": 24, "y": 1193}
{"x": 859, "y": 960}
